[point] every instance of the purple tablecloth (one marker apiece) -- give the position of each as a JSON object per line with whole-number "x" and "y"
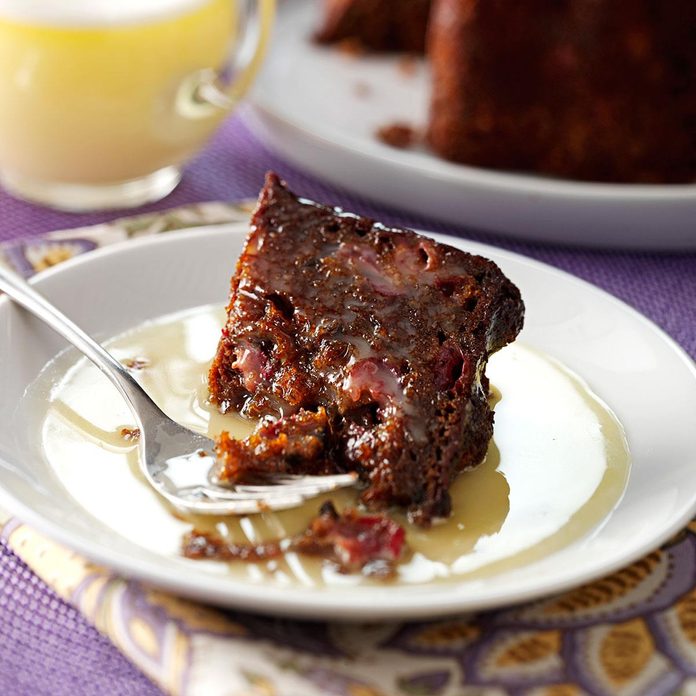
{"x": 45, "y": 645}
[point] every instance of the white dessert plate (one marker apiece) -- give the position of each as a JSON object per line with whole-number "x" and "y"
{"x": 319, "y": 108}
{"x": 648, "y": 381}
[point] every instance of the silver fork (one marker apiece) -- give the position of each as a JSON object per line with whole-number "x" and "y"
{"x": 176, "y": 461}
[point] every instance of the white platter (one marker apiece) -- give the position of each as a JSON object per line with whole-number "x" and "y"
{"x": 645, "y": 378}
{"x": 320, "y": 108}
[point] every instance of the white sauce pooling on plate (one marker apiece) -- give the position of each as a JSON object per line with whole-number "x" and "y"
{"x": 93, "y": 13}
{"x": 555, "y": 469}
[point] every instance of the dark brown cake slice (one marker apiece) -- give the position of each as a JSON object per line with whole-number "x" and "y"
{"x": 364, "y": 348}
{"x": 376, "y": 25}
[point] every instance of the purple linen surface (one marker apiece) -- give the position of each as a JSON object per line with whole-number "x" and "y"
{"x": 45, "y": 646}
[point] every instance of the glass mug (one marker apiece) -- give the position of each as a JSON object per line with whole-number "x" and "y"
{"x": 101, "y": 101}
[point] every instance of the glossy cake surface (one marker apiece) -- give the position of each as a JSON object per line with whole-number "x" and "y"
{"x": 363, "y": 348}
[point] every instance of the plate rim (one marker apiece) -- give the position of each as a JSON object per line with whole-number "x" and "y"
{"x": 503, "y": 181}
{"x": 308, "y": 602}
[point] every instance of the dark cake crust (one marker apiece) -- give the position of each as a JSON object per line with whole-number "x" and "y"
{"x": 601, "y": 90}
{"x": 365, "y": 347}
{"x": 376, "y": 25}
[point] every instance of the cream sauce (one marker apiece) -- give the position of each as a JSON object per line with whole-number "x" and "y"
{"x": 555, "y": 469}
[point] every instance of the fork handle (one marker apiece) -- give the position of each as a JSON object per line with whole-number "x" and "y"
{"x": 21, "y": 292}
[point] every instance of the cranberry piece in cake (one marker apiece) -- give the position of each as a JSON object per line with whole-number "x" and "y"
{"x": 373, "y": 544}
{"x": 362, "y": 348}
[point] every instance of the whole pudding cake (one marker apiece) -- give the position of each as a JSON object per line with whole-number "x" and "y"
{"x": 601, "y": 90}
{"x": 361, "y": 348}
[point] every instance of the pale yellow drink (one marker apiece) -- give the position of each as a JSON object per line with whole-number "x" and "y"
{"x": 97, "y": 103}
{"x": 100, "y": 92}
